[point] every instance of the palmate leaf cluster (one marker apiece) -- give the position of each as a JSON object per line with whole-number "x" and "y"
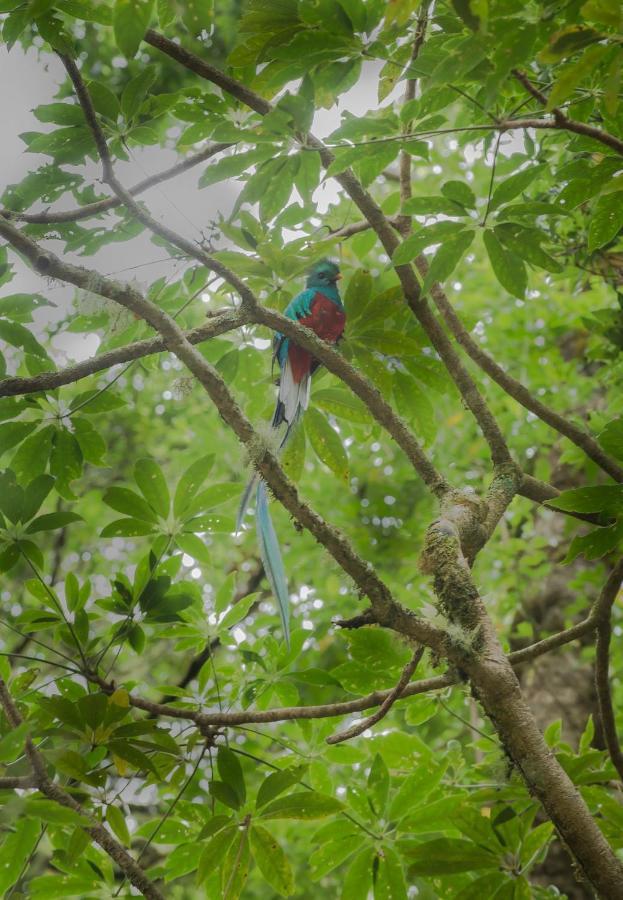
{"x": 118, "y": 493}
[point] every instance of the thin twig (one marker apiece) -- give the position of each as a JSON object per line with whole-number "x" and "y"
{"x": 603, "y": 609}
{"x": 99, "y": 206}
{"x": 386, "y": 705}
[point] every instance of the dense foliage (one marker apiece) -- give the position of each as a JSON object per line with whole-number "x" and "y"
{"x": 122, "y": 577}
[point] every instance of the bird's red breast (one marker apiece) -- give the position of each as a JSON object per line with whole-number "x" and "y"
{"x": 327, "y": 320}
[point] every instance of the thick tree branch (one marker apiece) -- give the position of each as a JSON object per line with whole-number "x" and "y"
{"x": 93, "y": 828}
{"x": 495, "y": 685}
{"x": 364, "y": 389}
{"x": 388, "y": 611}
{"x": 374, "y": 215}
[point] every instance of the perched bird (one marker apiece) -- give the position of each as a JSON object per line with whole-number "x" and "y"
{"x": 320, "y": 308}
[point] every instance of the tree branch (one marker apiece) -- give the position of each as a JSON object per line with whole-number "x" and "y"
{"x": 388, "y": 611}
{"x": 55, "y": 792}
{"x": 562, "y": 121}
{"x": 602, "y": 611}
{"x": 99, "y": 206}
{"x": 386, "y": 705}
{"x": 47, "y": 381}
{"x": 403, "y": 222}
{"x": 514, "y": 388}
{"x": 374, "y": 215}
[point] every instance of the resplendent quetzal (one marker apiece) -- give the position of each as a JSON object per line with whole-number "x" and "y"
{"x": 320, "y": 308}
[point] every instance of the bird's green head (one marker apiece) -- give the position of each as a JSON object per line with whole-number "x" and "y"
{"x": 323, "y": 274}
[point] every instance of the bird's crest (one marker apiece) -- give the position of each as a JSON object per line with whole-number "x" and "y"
{"x": 323, "y": 272}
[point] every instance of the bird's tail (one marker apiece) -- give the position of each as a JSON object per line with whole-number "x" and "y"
{"x": 271, "y": 557}
{"x": 291, "y": 404}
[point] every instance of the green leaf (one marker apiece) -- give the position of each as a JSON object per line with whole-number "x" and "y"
{"x": 197, "y": 15}
{"x": 153, "y": 486}
{"x": 459, "y": 192}
{"x": 272, "y": 861}
{"x": 415, "y": 243}
{"x": 596, "y": 543}
{"x": 97, "y": 401}
{"x": 34, "y": 495}
{"x": 230, "y": 771}
{"x": 15, "y": 334}
{"x": 11, "y": 496}
{"x": 225, "y": 794}
{"x": 116, "y": 820}
{"x": 190, "y": 482}
{"x": 20, "y": 307}
{"x": 232, "y": 166}
{"x": 516, "y": 184}
{"x": 326, "y": 443}
{"x": 104, "y": 101}
{"x": 277, "y": 782}
{"x": 606, "y": 221}
{"x": 65, "y": 461}
{"x": 53, "y": 521}
{"x": 526, "y": 242}
{"x": 131, "y": 19}
{"x": 236, "y": 867}
{"x": 358, "y": 878}
{"x": 136, "y": 90}
{"x": 378, "y": 786}
{"x": 214, "y": 852}
{"x": 432, "y": 206}
{"x": 568, "y": 41}
{"x": 60, "y": 113}
{"x": 611, "y": 438}
{"x": 302, "y": 805}
{"x": 239, "y": 611}
{"x": 12, "y": 744}
{"x": 343, "y": 404}
{"x": 571, "y": 76}
{"x": 193, "y": 546}
{"x": 509, "y": 268}
{"x": 445, "y": 856}
{"x": 127, "y": 528}
{"x": 390, "y": 880}
{"x": 130, "y": 504}
{"x": 606, "y": 498}
{"x": 52, "y": 813}
{"x": 16, "y": 850}
{"x": 447, "y": 258}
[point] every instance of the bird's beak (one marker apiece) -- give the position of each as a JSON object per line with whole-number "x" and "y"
{"x": 339, "y": 276}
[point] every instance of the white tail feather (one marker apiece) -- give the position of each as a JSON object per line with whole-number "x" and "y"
{"x": 293, "y": 396}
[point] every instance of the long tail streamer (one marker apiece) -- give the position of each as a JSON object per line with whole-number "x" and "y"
{"x": 271, "y": 557}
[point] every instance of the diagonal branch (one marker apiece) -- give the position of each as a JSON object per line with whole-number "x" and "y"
{"x": 515, "y": 388}
{"x": 602, "y": 612}
{"x": 364, "y": 389}
{"x": 386, "y": 705}
{"x": 388, "y": 611}
{"x": 47, "y": 381}
{"x": 562, "y": 121}
{"x": 375, "y": 216}
{"x": 100, "y": 206}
